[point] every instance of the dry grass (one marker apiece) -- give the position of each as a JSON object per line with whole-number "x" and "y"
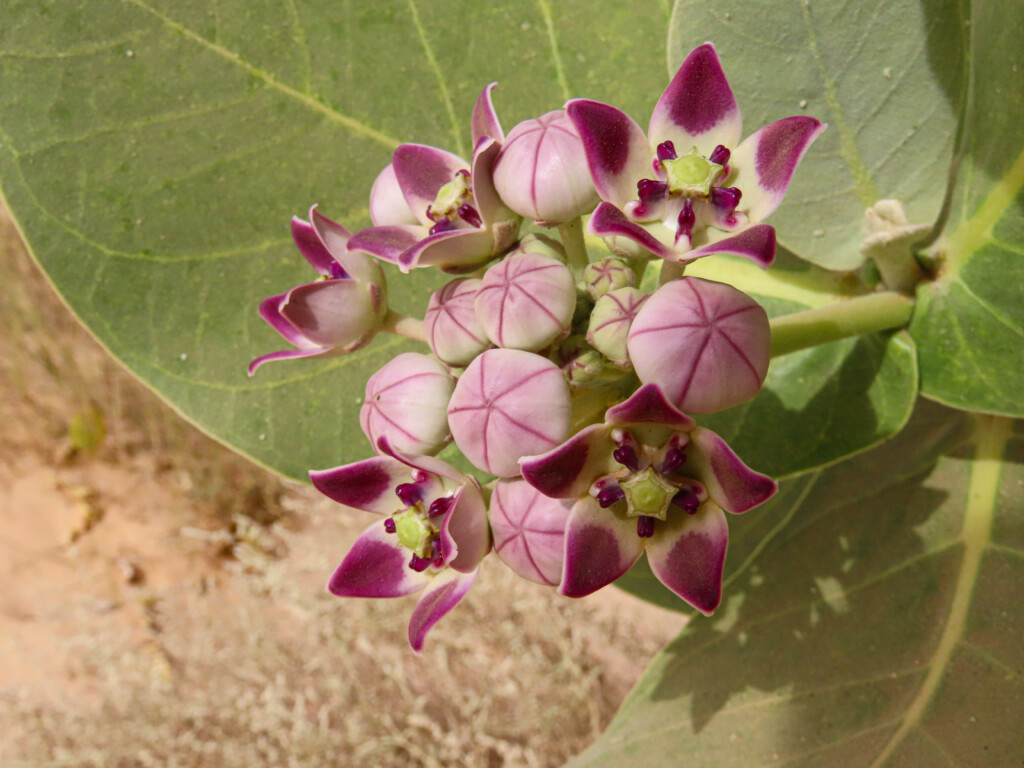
{"x": 222, "y": 649}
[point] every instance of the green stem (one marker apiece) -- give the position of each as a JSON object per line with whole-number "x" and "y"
{"x": 670, "y": 270}
{"x": 402, "y": 325}
{"x": 575, "y": 248}
{"x": 853, "y": 317}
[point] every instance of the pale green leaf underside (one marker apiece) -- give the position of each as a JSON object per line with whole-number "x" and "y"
{"x": 152, "y": 154}
{"x": 884, "y": 75}
{"x": 870, "y": 620}
{"x": 969, "y": 324}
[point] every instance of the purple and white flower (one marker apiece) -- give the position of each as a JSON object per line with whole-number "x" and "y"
{"x": 689, "y": 187}
{"x": 430, "y": 208}
{"x": 433, "y": 537}
{"x": 647, "y": 479}
{"x": 705, "y": 343}
{"x": 340, "y": 312}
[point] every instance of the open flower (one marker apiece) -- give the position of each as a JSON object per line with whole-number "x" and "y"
{"x": 430, "y": 208}
{"x": 688, "y": 187}
{"x": 647, "y": 479}
{"x": 338, "y": 313}
{"x": 433, "y": 537}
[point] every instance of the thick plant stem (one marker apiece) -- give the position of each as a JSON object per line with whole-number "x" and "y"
{"x": 853, "y": 317}
{"x": 409, "y": 327}
{"x": 575, "y": 247}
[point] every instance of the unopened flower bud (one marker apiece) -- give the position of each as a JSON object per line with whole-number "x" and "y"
{"x": 406, "y": 402}
{"x": 580, "y": 362}
{"x": 542, "y": 245}
{"x": 706, "y": 344}
{"x": 610, "y": 322}
{"x": 607, "y": 274}
{"x": 541, "y": 172}
{"x": 509, "y": 404}
{"x": 526, "y": 301}
{"x": 451, "y": 325}
{"x": 529, "y": 530}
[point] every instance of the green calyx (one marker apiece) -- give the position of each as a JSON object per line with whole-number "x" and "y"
{"x": 691, "y": 175}
{"x": 648, "y": 494}
{"x": 413, "y": 531}
{"x": 451, "y": 196}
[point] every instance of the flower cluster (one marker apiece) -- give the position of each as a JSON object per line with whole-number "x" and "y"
{"x": 553, "y": 366}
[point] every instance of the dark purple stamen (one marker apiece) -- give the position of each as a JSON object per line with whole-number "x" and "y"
{"x": 667, "y": 151}
{"x": 674, "y": 459}
{"x": 726, "y": 199}
{"x": 463, "y": 172}
{"x": 470, "y": 215}
{"x": 444, "y": 225}
{"x": 337, "y": 271}
{"x": 389, "y": 525}
{"x": 419, "y": 564}
{"x": 609, "y": 495}
{"x": 409, "y": 493}
{"x": 626, "y": 456}
{"x": 645, "y": 526}
{"x": 440, "y": 506}
{"x": 651, "y": 191}
{"x": 687, "y": 218}
{"x": 686, "y": 499}
{"x": 720, "y": 155}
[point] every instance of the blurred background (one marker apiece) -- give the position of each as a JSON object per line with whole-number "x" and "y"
{"x": 162, "y": 599}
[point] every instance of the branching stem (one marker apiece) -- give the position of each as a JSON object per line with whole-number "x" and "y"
{"x": 852, "y": 317}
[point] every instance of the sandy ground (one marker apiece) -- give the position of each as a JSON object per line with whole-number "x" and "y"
{"x": 162, "y": 601}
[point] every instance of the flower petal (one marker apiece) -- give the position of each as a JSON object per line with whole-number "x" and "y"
{"x": 698, "y": 108}
{"x": 687, "y": 554}
{"x": 460, "y": 250}
{"x": 648, "y": 405}
{"x": 421, "y": 172}
{"x": 311, "y": 246}
{"x": 600, "y": 546}
{"x": 618, "y": 154}
{"x": 569, "y": 470}
{"x": 766, "y": 160}
{"x": 485, "y": 119}
{"x": 368, "y": 485}
{"x": 387, "y": 242}
{"x": 376, "y": 566}
{"x": 443, "y": 594}
{"x": 755, "y": 242}
{"x": 387, "y": 203}
{"x": 731, "y": 483}
{"x": 289, "y": 354}
{"x": 465, "y": 528}
{"x": 270, "y": 310}
{"x": 609, "y": 221}
{"x": 489, "y": 204}
{"x": 333, "y": 235}
{"x": 331, "y": 312}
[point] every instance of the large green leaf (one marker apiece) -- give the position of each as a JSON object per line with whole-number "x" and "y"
{"x": 152, "y": 154}
{"x": 885, "y": 75}
{"x": 872, "y": 618}
{"x": 969, "y": 323}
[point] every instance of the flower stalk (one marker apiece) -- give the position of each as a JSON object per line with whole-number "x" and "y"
{"x": 853, "y": 317}
{"x": 403, "y": 325}
{"x": 575, "y": 247}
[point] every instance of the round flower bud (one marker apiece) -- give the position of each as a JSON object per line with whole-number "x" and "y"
{"x": 607, "y": 274}
{"x": 541, "y": 172}
{"x": 542, "y": 245}
{"x": 706, "y": 344}
{"x": 451, "y": 325}
{"x": 610, "y": 321}
{"x": 406, "y": 402}
{"x": 529, "y": 530}
{"x": 509, "y": 404}
{"x": 526, "y": 301}
{"x": 580, "y": 362}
